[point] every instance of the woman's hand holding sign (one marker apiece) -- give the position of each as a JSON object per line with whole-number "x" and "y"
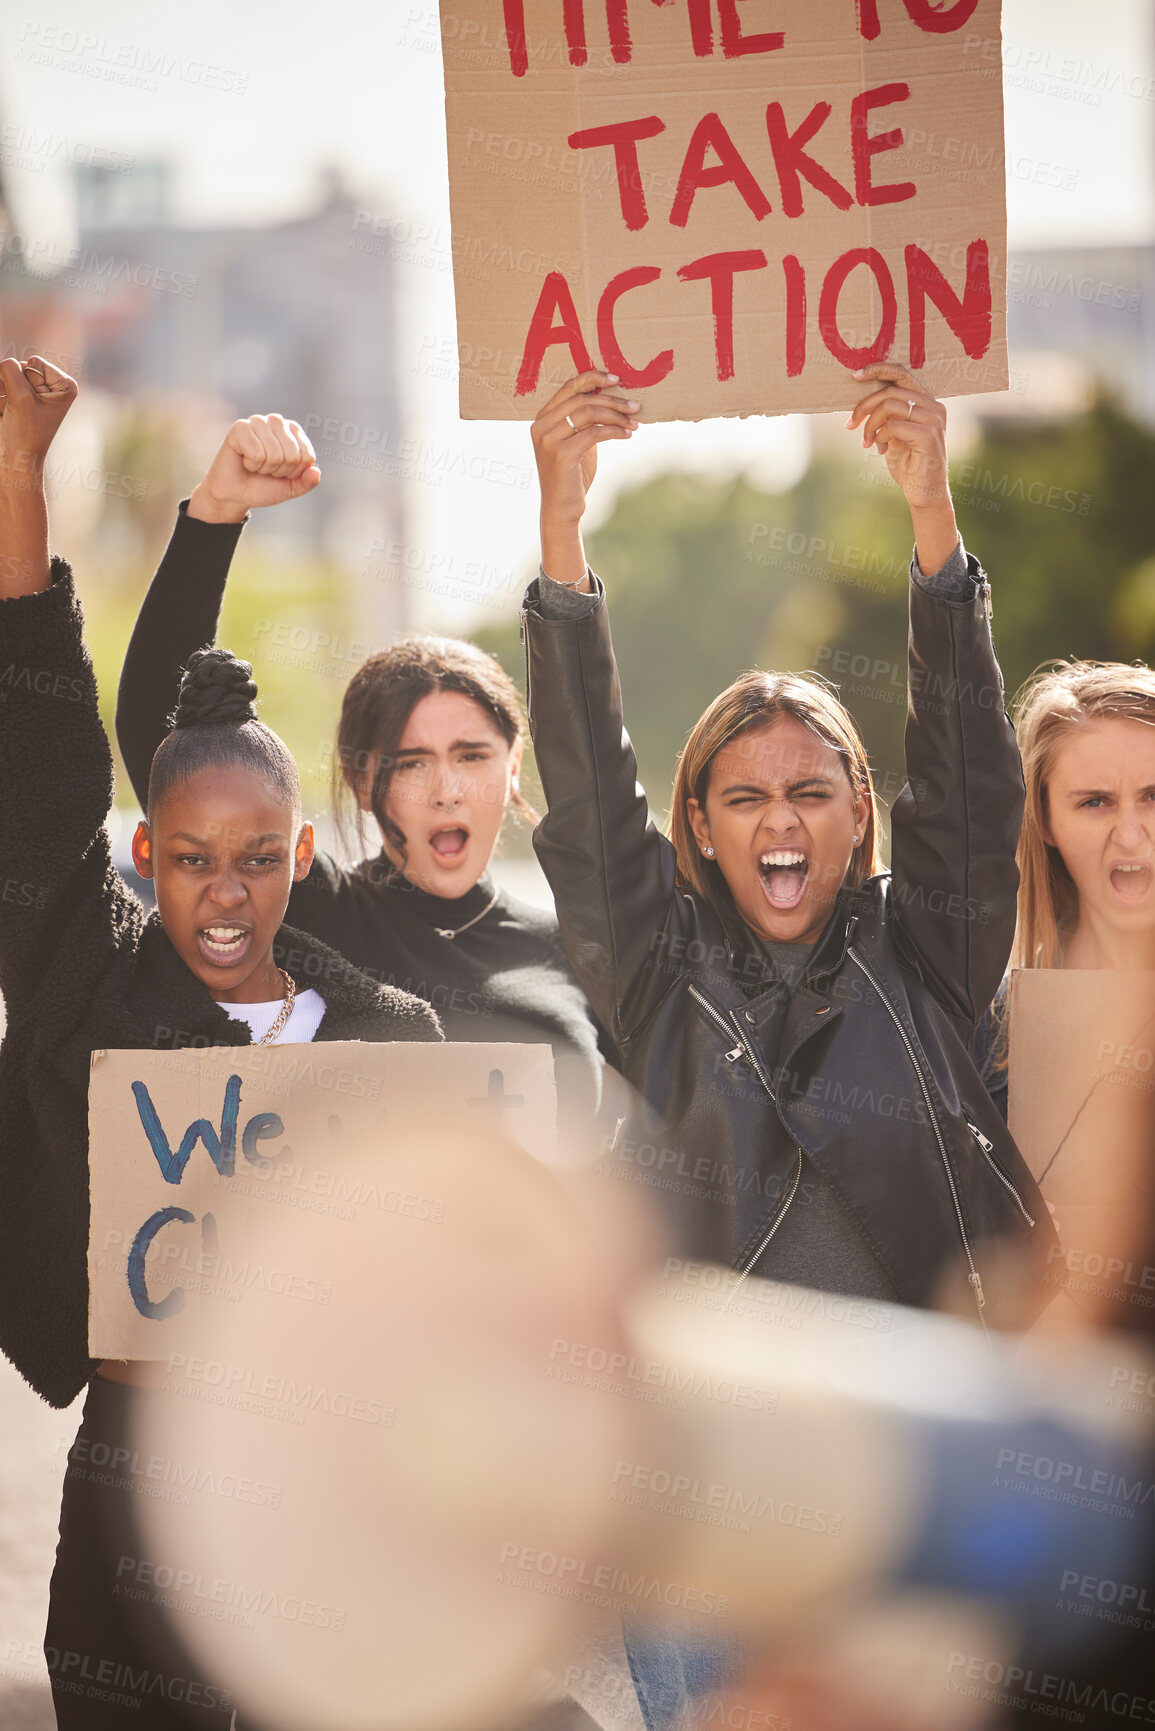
{"x": 897, "y": 417}
{"x": 566, "y": 434}
{"x": 908, "y": 427}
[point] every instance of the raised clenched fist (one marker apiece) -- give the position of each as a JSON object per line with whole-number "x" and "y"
{"x": 264, "y": 460}
{"x": 35, "y": 396}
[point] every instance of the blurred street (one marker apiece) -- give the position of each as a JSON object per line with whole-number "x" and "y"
{"x": 34, "y": 1442}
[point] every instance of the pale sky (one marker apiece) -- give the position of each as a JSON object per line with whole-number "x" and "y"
{"x": 357, "y": 84}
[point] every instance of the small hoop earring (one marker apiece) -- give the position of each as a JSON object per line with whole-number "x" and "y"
{"x": 709, "y": 852}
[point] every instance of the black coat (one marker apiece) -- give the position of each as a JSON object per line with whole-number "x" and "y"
{"x": 872, "y": 1075}
{"x": 505, "y": 978}
{"x": 81, "y": 968}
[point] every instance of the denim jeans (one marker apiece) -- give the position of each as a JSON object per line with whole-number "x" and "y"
{"x": 675, "y": 1671}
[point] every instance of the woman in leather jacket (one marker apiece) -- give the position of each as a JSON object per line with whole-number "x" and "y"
{"x": 797, "y": 1021}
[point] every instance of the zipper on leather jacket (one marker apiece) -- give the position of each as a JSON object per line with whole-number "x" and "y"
{"x": 726, "y": 1027}
{"x": 987, "y": 1147}
{"x": 729, "y": 1027}
{"x": 525, "y": 646}
{"x": 974, "y": 1277}
{"x": 770, "y": 1231}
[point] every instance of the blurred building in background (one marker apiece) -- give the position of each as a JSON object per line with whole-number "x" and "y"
{"x": 298, "y": 317}
{"x": 175, "y": 328}
{"x": 303, "y": 316}
{"x": 1093, "y": 308}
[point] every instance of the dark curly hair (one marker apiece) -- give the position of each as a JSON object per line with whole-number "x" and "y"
{"x": 380, "y": 698}
{"x": 215, "y": 725}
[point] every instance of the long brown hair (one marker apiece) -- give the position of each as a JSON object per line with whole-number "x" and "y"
{"x": 753, "y": 701}
{"x": 1057, "y": 698}
{"x": 380, "y": 698}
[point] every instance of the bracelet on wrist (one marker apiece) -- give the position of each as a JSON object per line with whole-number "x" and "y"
{"x": 576, "y": 584}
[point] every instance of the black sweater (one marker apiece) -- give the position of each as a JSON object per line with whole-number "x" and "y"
{"x": 81, "y": 967}
{"x": 506, "y": 978}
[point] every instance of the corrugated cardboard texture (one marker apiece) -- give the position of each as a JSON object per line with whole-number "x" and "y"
{"x": 308, "y": 1123}
{"x": 533, "y": 214}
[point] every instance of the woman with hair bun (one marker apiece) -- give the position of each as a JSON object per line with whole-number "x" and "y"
{"x": 427, "y": 761}
{"x": 81, "y": 968}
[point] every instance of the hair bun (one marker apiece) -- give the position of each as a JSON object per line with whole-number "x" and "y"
{"x": 216, "y": 689}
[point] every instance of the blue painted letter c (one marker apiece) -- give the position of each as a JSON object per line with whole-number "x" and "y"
{"x": 136, "y": 1282}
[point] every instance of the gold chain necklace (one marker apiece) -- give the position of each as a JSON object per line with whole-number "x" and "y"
{"x": 285, "y": 1011}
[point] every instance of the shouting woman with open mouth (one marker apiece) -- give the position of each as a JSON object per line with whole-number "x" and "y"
{"x": 798, "y": 1021}
{"x": 1087, "y": 850}
{"x": 427, "y": 761}
{"x": 82, "y": 968}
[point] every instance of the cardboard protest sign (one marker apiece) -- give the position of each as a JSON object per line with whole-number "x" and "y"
{"x": 1082, "y": 1110}
{"x": 725, "y": 202}
{"x": 186, "y": 1148}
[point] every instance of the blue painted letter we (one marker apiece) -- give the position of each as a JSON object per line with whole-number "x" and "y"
{"x": 222, "y": 1148}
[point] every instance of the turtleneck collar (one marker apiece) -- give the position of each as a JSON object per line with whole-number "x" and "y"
{"x": 449, "y": 911}
{"x": 825, "y": 954}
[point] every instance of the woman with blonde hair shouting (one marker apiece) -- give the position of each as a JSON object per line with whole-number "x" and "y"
{"x": 797, "y": 1020}
{"x": 1086, "y": 731}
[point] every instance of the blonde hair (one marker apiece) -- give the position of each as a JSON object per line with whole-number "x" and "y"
{"x": 1059, "y": 696}
{"x": 753, "y": 701}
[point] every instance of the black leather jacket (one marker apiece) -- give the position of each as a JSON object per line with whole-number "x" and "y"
{"x": 872, "y": 1075}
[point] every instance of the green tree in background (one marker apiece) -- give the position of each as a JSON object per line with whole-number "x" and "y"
{"x": 272, "y": 613}
{"x": 709, "y": 578}
{"x": 1067, "y": 545}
